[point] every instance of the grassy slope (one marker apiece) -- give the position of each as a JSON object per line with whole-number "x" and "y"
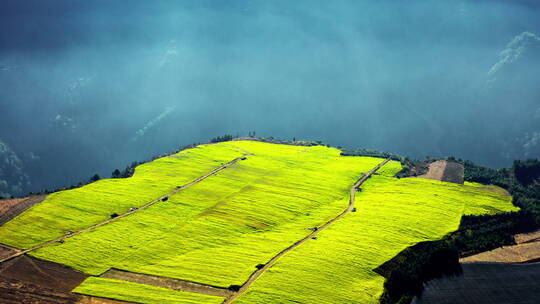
{"x": 140, "y": 293}
{"x": 82, "y": 207}
{"x": 217, "y": 231}
{"x": 392, "y": 215}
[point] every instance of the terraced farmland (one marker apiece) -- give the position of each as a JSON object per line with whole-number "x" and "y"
{"x": 79, "y": 208}
{"x": 392, "y": 215}
{"x": 220, "y": 230}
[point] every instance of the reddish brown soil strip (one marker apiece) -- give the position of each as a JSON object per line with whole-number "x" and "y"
{"x": 213, "y": 172}
{"x": 527, "y": 237}
{"x": 42, "y": 273}
{"x": 10, "y": 208}
{"x": 453, "y": 173}
{"x": 167, "y": 283}
{"x": 445, "y": 171}
{"x": 527, "y": 250}
{"x": 17, "y": 292}
{"x": 435, "y": 171}
{"x": 6, "y": 251}
{"x": 6, "y": 204}
{"x": 272, "y": 261}
{"x": 94, "y": 300}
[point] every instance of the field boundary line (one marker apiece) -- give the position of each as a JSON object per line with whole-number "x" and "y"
{"x": 165, "y": 282}
{"x": 274, "y": 259}
{"x": 166, "y": 196}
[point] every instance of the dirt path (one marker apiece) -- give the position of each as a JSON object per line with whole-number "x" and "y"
{"x": 272, "y": 261}
{"x": 6, "y": 251}
{"x": 213, "y": 172}
{"x": 167, "y": 283}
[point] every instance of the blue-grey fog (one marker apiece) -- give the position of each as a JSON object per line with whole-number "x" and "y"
{"x": 90, "y": 86}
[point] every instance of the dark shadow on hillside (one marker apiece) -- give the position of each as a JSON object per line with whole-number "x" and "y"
{"x": 485, "y": 283}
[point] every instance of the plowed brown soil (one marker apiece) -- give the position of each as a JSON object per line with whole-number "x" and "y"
{"x": 445, "y": 171}
{"x": 10, "y": 208}
{"x": 17, "y": 292}
{"x": 6, "y": 251}
{"x": 6, "y": 204}
{"x": 42, "y": 273}
{"x": 527, "y": 250}
{"x": 166, "y": 283}
{"x": 94, "y": 300}
{"x": 29, "y": 280}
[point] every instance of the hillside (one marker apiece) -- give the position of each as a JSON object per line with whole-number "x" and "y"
{"x": 242, "y": 222}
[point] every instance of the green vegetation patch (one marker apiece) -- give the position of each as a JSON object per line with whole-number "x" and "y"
{"x": 392, "y": 214}
{"x": 390, "y": 168}
{"x": 140, "y": 293}
{"x": 75, "y": 209}
{"x": 217, "y": 231}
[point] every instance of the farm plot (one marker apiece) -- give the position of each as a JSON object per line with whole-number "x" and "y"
{"x": 217, "y": 232}
{"x": 392, "y": 215}
{"x": 72, "y": 210}
{"x": 140, "y": 293}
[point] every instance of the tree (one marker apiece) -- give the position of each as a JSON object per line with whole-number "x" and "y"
{"x": 226, "y": 137}
{"x": 95, "y": 178}
{"x": 116, "y": 174}
{"x": 527, "y": 171}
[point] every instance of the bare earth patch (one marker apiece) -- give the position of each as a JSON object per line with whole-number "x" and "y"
{"x": 42, "y": 273}
{"x": 6, "y": 204}
{"x": 94, "y": 300}
{"x": 527, "y": 250}
{"x": 6, "y": 251}
{"x": 10, "y": 208}
{"x": 29, "y": 280}
{"x": 166, "y": 283}
{"x": 17, "y": 292}
{"x": 528, "y": 237}
{"x": 443, "y": 170}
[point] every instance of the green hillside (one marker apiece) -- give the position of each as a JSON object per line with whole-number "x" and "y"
{"x": 393, "y": 214}
{"x": 72, "y": 210}
{"x": 217, "y": 231}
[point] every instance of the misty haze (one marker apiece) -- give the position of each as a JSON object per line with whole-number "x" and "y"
{"x": 90, "y": 86}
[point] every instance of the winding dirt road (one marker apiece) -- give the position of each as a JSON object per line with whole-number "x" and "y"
{"x": 213, "y": 172}
{"x": 272, "y": 261}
